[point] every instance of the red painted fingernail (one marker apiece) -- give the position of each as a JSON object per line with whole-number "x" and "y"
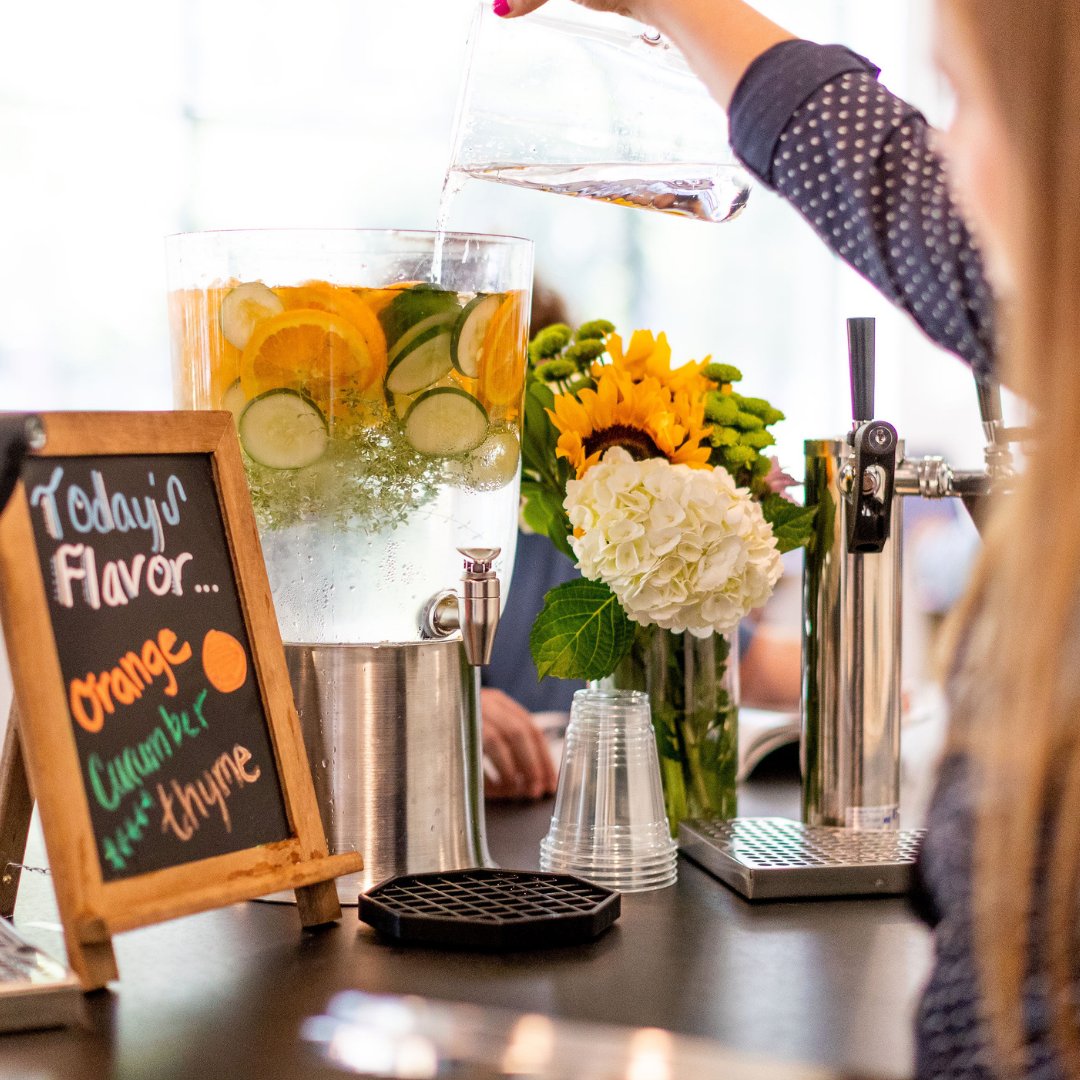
{"x": 501, "y": 8}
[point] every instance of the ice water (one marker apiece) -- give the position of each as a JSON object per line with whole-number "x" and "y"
{"x": 380, "y": 429}
{"x": 714, "y": 193}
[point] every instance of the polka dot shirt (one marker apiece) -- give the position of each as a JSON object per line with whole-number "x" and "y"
{"x": 952, "y": 1040}
{"x": 813, "y": 123}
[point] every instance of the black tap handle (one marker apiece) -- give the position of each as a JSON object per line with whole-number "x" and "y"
{"x": 989, "y": 399}
{"x": 873, "y": 464}
{"x": 861, "y": 350}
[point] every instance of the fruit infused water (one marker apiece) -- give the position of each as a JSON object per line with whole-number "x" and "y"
{"x": 380, "y": 428}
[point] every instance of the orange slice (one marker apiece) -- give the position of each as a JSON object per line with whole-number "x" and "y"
{"x": 318, "y": 352}
{"x": 341, "y": 300}
{"x": 502, "y": 354}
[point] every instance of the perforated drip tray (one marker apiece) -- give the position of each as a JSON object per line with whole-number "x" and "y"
{"x": 490, "y": 909}
{"x": 774, "y": 858}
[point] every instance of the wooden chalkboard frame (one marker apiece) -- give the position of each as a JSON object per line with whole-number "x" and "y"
{"x": 40, "y": 754}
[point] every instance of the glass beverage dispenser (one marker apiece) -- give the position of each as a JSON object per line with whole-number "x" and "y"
{"x": 376, "y": 380}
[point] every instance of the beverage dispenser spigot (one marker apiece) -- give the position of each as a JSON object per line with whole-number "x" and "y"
{"x": 475, "y": 613}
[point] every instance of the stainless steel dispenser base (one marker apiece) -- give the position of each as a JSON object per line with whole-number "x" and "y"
{"x": 775, "y": 858}
{"x": 392, "y": 733}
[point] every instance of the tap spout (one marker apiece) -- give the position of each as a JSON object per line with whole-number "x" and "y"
{"x": 475, "y": 612}
{"x": 479, "y": 604}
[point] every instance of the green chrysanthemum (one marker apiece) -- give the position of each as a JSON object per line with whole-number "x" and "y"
{"x": 549, "y": 342}
{"x": 721, "y": 408}
{"x": 556, "y": 370}
{"x": 596, "y": 330}
{"x": 757, "y": 440}
{"x": 722, "y": 373}
{"x": 585, "y": 352}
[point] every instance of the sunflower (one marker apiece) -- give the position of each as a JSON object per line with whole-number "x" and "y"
{"x": 645, "y": 417}
{"x": 649, "y": 355}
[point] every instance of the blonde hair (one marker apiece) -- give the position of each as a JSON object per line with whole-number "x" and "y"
{"x": 1019, "y": 712}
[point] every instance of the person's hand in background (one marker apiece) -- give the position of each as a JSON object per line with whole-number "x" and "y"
{"x": 516, "y": 750}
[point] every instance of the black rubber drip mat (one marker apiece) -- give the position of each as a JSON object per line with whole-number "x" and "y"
{"x": 490, "y": 909}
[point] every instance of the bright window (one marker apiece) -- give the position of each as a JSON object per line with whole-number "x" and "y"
{"x": 123, "y": 121}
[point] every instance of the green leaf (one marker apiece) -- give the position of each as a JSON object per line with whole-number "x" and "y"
{"x": 539, "y": 436}
{"x": 792, "y": 525}
{"x": 581, "y": 633}
{"x": 544, "y": 513}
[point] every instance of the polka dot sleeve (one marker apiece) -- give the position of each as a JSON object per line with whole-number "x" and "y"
{"x": 862, "y": 167}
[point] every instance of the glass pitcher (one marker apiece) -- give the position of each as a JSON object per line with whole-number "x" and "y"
{"x": 594, "y": 106}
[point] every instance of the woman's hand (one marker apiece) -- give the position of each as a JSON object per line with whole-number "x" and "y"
{"x": 635, "y": 9}
{"x": 516, "y": 748}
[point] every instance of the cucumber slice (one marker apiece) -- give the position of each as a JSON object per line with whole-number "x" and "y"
{"x": 414, "y": 305}
{"x": 244, "y": 308}
{"x": 445, "y": 422}
{"x": 234, "y": 399}
{"x": 424, "y": 362}
{"x": 469, "y": 331}
{"x": 283, "y": 429}
{"x": 444, "y": 319}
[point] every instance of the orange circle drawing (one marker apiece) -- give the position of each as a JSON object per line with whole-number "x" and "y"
{"x": 224, "y": 661}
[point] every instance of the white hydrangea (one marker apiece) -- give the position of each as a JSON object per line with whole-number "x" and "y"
{"x": 682, "y": 548}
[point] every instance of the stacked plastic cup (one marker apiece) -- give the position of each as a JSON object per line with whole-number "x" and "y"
{"x": 609, "y": 824}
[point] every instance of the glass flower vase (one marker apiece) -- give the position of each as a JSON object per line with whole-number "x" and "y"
{"x": 693, "y": 688}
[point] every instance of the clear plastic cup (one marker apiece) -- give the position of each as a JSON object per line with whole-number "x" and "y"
{"x": 609, "y": 824}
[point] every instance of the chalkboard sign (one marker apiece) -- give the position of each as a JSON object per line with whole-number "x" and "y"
{"x": 154, "y": 709}
{"x": 173, "y": 744}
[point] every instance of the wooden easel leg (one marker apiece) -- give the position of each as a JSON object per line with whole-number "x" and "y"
{"x": 90, "y": 953}
{"x": 318, "y": 904}
{"x": 16, "y": 806}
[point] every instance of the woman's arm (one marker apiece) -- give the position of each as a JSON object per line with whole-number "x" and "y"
{"x": 813, "y": 123}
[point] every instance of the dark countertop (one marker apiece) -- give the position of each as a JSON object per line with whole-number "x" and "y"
{"x": 223, "y": 994}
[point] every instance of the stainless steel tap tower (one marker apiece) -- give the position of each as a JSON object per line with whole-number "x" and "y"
{"x": 852, "y": 596}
